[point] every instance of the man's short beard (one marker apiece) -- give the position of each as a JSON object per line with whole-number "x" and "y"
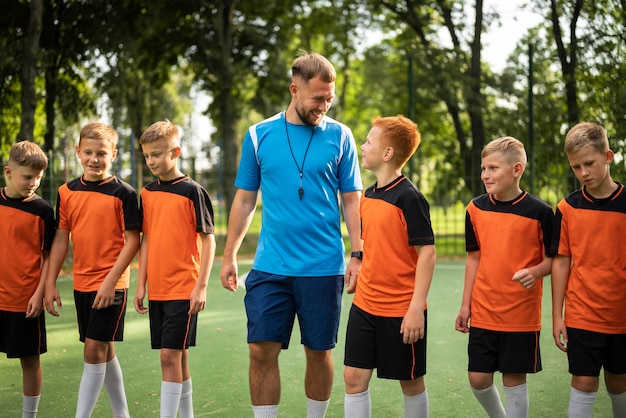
{"x": 304, "y": 119}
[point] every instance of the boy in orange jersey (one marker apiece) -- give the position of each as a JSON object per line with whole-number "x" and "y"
{"x": 101, "y": 214}
{"x": 507, "y": 238}
{"x": 387, "y": 323}
{"x": 589, "y": 274}
{"x": 27, "y": 230}
{"x": 175, "y": 260}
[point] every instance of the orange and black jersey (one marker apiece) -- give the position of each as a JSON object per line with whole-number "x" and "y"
{"x": 510, "y": 236}
{"x": 174, "y": 212}
{"x": 394, "y": 219}
{"x": 97, "y": 213}
{"x": 26, "y": 229}
{"x": 593, "y": 233}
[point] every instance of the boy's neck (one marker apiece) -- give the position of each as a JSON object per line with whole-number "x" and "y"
{"x": 171, "y": 175}
{"x": 384, "y": 177}
{"x": 508, "y": 195}
{"x": 96, "y": 178}
{"x": 604, "y": 189}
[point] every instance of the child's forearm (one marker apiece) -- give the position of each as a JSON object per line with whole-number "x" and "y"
{"x": 124, "y": 258}
{"x": 45, "y": 264}
{"x": 142, "y": 274}
{"x": 58, "y": 252}
{"x": 544, "y": 268}
{"x": 471, "y": 268}
{"x": 560, "y": 274}
{"x": 424, "y": 271}
{"x": 206, "y": 259}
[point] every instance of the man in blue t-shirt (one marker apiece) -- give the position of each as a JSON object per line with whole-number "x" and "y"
{"x": 300, "y": 160}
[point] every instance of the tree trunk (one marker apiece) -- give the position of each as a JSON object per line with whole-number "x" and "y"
{"x": 29, "y": 72}
{"x": 227, "y": 114}
{"x": 475, "y": 101}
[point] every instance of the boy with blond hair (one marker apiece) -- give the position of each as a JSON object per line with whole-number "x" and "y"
{"x": 387, "y": 323}
{"x": 589, "y": 274}
{"x": 27, "y": 230}
{"x": 507, "y": 235}
{"x": 100, "y": 214}
{"x": 175, "y": 260}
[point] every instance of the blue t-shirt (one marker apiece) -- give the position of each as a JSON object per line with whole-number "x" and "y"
{"x": 299, "y": 237}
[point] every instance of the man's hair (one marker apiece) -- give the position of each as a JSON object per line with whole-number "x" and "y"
{"x": 586, "y": 133}
{"x": 99, "y": 131}
{"x": 511, "y": 149}
{"x": 161, "y": 130}
{"x": 28, "y": 154}
{"x": 401, "y": 134}
{"x": 310, "y": 65}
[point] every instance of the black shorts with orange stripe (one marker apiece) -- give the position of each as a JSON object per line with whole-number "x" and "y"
{"x": 100, "y": 324}
{"x": 375, "y": 342}
{"x": 589, "y": 351}
{"x": 171, "y": 326}
{"x": 508, "y": 352}
{"x": 22, "y": 337}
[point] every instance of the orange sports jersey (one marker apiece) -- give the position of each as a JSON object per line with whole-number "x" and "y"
{"x": 593, "y": 233}
{"x": 394, "y": 219}
{"x": 510, "y": 236}
{"x": 174, "y": 212}
{"x": 97, "y": 213}
{"x": 27, "y": 229}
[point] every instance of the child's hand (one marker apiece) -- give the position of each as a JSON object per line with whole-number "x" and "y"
{"x": 559, "y": 333}
{"x": 462, "y": 321}
{"x": 525, "y": 278}
{"x": 104, "y": 297}
{"x": 412, "y": 328}
{"x": 35, "y": 306}
{"x": 197, "y": 300}
{"x": 138, "y": 301}
{"x": 51, "y": 296}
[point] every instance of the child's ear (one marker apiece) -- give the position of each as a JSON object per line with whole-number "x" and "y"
{"x": 388, "y": 155}
{"x": 176, "y": 152}
{"x": 609, "y": 156}
{"x": 518, "y": 169}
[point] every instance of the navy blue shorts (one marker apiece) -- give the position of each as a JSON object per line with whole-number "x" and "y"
{"x": 272, "y": 302}
{"x": 375, "y": 342}
{"x": 100, "y": 324}
{"x": 508, "y": 352}
{"x": 588, "y": 352}
{"x": 171, "y": 326}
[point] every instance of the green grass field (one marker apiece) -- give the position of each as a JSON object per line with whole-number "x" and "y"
{"x": 219, "y": 363}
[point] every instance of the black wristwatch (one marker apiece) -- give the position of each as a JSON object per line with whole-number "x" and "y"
{"x": 357, "y": 254}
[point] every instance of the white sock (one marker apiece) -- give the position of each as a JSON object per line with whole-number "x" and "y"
{"x": 490, "y": 400}
{"x": 170, "y": 398}
{"x": 30, "y": 405}
{"x": 618, "y": 403}
{"x": 416, "y": 406}
{"x": 580, "y": 403}
{"x": 185, "y": 407}
{"x": 265, "y": 411}
{"x": 90, "y": 387}
{"x": 316, "y": 409}
{"x": 114, "y": 386}
{"x": 357, "y": 405}
{"x": 516, "y": 401}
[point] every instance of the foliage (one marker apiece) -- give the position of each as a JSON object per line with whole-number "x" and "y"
{"x": 136, "y": 61}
